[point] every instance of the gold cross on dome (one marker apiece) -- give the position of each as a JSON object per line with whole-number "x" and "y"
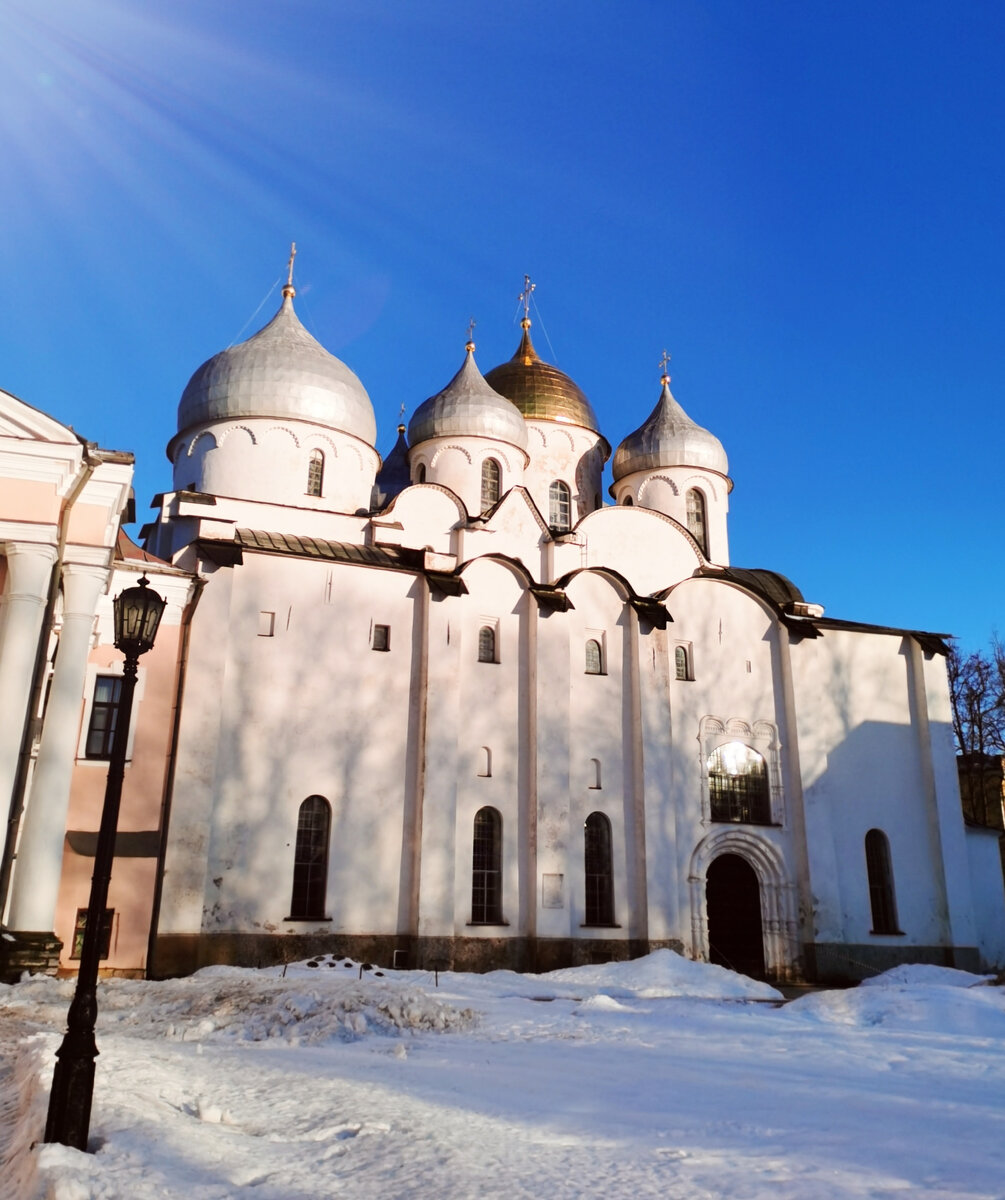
{"x": 471, "y": 333}
{"x": 524, "y": 297}
{"x": 665, "y": 364}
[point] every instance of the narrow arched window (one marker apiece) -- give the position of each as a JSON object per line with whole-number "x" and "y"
{"x": 595, "y": 783}
{"x": 485, "y": 762}
{"x": 680, "y": 663}
{"x": 486, "y": 868}
{"x": 310, "y": 859}
{"x": 627, "y": 500}
{"x": 559, "y": 506}
{"x": 881, "y": 894}
{"x": 697, "y": 526}
{"x": 594, "y": 658}
{"x": 491, "y": 478}
{"x": 315, "y": 473}
{"x": 420, "y": 473}
{"x": 599, "y": 871}
{"x": 486, "y": 644}
{"x": 738, "y": 785}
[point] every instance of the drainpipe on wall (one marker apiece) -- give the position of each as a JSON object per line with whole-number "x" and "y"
{"x": 90, "y": 463}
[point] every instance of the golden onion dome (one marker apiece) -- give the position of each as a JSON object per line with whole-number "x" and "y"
{"x": 539, "y": 390}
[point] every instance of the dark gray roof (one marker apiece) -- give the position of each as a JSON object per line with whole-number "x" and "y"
{"x": 393, "y": 476}
{"x": 769, "y": 585}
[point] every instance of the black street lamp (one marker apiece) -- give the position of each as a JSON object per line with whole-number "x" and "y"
{"x": 138, "y": 611}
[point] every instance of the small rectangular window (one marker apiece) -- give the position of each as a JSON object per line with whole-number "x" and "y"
{"x": 381, "y": 637}
{"x": 104, "y": 716}
{"x": 266, "y": 624}
{"x": 81, "y": 924}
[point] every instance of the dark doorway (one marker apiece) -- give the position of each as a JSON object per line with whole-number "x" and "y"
{"x": 733, "y": 904}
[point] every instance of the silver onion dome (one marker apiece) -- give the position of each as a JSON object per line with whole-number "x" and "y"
{"x": 282, "y": 371}
{"x": 468, "y": 407}
{"x": 669, "y": 438}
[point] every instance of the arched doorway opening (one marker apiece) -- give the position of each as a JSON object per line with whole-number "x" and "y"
{"x": 733, "y": 907}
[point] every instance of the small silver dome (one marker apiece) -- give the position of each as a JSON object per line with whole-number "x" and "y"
{"x": 280, "y": 372}
{"x": 669, "y": 438}
{"x": 468, "y": 407}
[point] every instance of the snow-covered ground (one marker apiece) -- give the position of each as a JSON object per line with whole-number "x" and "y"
{"x": 654, "y": 1078}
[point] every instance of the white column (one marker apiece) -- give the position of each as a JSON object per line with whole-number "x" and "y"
{"x": 29, "y": 569}
{"x": 39, "y": 859}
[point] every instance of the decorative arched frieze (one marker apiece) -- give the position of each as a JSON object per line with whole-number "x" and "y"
{"x": 441, "y": 450}
{"x": 778, "y": 897}
{"x": 497, "y": 452}
{"x": 539, "y": 433}
{"x": 290, "y": 433}
{"x": 210, "y": 437}
{"x": 321, "y": 441}
{"x": 354, "y": 450}
{"x": 228, "y": 433}
{"x": 703, "y": 482}
{"x": 759, "y": 735}
{"x": 662, "y": 479}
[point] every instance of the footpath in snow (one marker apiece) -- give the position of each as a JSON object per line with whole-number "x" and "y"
{"x": 658, "y": 1077}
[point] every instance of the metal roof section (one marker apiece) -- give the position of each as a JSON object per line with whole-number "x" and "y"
{"x": 669, "y": 438}
{"x": 468, "y": 407}
{"x": 282, "y": 372}
{"x": 393, "y": 476}
{"x": 539, "y": 390}
{"x": 803, "y": 619}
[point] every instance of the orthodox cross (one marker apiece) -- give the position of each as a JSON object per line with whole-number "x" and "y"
{"x": 293, "y": 255}
{"x": 471, "y": 332}
{"x": 524, "y": 297}
{"x": 665, "y": 364}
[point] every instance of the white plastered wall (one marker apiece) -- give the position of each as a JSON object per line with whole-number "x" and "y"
{"x": 666, "y": 491}
{"x": 262, "y": 459}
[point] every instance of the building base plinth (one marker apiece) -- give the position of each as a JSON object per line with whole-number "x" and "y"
{"x": 181, "y": 954}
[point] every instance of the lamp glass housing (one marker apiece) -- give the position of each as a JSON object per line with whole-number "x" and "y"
{"x": 138, "y": 612}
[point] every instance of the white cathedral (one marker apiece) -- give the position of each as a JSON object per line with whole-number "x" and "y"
{"x": 453, "y": 709}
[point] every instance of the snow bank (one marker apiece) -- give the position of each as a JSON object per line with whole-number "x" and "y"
{"x": 22, "y": 1109}
{"x": 307, "y": 1006}
{"x": 916, "y": 997}
{"x": 926, "y": 974}
{"x": 664, "y": 974}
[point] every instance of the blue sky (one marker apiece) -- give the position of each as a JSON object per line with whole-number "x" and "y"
{"x": 803, "y": 202}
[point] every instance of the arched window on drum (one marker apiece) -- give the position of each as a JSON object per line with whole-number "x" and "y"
{"x": 697, "y": 521}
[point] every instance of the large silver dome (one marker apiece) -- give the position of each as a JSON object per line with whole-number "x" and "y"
{"x": 468, "y": 407}
{"x": 669, "y": 438}
{"x": 280, "y": 372}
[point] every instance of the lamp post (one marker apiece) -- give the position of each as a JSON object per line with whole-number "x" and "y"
{"x": 138, "y": 612}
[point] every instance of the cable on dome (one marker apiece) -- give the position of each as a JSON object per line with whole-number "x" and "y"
{"x": 256, "y": 312}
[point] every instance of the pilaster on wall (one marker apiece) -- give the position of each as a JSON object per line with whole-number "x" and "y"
{"x": 548, "y": 671}
{"x": 929, "y": 690}
{"x": 438, "y": 834}
{"x": 39, "y": 859}
{"x": 29, "y": 571}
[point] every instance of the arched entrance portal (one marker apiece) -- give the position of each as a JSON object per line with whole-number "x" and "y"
{"x": 733, "y": 906}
